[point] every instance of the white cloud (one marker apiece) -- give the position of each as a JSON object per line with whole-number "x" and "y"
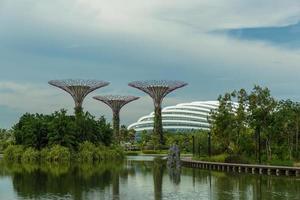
{"x": 177, "y": 27}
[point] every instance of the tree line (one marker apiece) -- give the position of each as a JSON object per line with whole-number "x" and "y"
{"x": 255, "y": 125}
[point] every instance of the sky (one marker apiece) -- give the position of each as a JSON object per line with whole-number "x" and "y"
{"x": 214, "y": 45}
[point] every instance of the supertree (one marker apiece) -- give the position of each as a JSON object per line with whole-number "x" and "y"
{"x": 116, "y": 102}
{"x": 157, "y": 90}
{"x": 78, "y": 89}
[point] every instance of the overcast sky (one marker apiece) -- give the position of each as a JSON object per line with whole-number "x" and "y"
{"x": 214, "y": 45}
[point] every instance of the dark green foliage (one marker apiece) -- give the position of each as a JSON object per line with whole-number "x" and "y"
{"x": 32, "y": 130}
{"x": 39, "y": 131}
{"x": 62, "y": 130}
{"x": 258, "y": 127}
{"x": 105, "y": 133}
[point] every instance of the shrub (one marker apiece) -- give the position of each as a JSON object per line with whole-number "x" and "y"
{"x": 13, "y": 153}
{"x": 87, "y": 152}
{"x": 103, "y": 153}
{"x": 30, "y": 155}
{"x": 58, "y": 153}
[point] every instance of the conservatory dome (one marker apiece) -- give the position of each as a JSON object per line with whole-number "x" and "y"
{"x": 181, "y": 117}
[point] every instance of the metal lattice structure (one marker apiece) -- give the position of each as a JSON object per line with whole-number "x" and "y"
{"x": 157, "y": 90}
{"x": 116, "y": 102}
{"x": 78, "y": 89}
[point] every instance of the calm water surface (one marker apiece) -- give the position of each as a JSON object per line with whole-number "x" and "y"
{"x": 138, "y": 178}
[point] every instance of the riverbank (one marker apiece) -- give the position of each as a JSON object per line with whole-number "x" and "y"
{"x": 153, "y": 153}
{"x": 246, "y": 168}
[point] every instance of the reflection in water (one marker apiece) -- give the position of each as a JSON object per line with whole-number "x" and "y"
{"x": 135, "y": 180}
{"x": 158, "y": 171}
{"x": 116, "y": 186}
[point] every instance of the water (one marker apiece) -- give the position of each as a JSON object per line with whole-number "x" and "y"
{"x": 138, "y": 178}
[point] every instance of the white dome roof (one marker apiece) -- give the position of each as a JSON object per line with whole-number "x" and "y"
{"x": 183, "y": 116}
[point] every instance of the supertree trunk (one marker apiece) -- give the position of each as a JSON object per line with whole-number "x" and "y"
{"x": 116, "y": 126}
{"x": 158, "y": 127}
{"x": 116, "y": 102}
{"x": 157, "y": 90}
{"x": 78, "y": 111}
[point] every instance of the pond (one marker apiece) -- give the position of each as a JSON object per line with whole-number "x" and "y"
{"x": 138, "y": 178}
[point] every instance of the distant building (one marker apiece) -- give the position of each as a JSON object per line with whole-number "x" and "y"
{"x": 182, "y": 117}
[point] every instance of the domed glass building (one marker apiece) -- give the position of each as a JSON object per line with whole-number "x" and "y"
{"x": 183, "y": 117}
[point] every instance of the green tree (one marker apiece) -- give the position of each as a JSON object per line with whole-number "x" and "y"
{"x": 240, "y": 121}
{"x": 63, "y": 130}
{"x": 32, "y": 130}
{"x": 261, "y": 107}
{"x": 222, "y": 123}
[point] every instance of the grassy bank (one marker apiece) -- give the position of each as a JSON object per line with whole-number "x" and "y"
{"x": 225, "y": 158}
{"x": 152, "y": 152}
{"x": 87, "y": 153}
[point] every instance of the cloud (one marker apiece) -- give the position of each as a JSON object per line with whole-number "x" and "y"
{"x": 121, "y": 41}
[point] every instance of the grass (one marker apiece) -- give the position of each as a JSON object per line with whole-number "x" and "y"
{"x": 152, "y": 152}
{"x": 215, "y": 158}
{"x": 280, "y": 162}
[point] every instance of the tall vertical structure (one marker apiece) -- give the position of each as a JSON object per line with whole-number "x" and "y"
{"x": 116, "y": 102}
{"x": 78, "y": 89}
{"x": 157, "y": 90}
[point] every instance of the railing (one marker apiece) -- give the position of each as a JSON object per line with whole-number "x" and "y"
{"x": 246, "y": 168}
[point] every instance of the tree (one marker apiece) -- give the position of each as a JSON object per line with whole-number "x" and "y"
{"x": 63, "y": 130}
{"x": 261, "y": 107}
{"x": 240, "y": 126}
{"x": 32, "y": 130}
{"x": 39, "y": 131}
{"x": 222, "y": 122}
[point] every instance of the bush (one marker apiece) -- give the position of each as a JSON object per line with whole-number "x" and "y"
{"x": 57, "y": 153}
{"x": 87, "y": 152}
{"x": 104, "y": 153}
{"x": 13, "y": 153}
{"x": 30, "y": 155}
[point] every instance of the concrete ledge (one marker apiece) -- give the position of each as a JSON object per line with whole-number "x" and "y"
{"x": 235, "y": 167}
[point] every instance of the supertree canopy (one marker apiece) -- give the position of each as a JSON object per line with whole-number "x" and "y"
{"x": 157, "y": 90}
{"x": 78, "y": 89}
{"x": 116, "y": 102}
